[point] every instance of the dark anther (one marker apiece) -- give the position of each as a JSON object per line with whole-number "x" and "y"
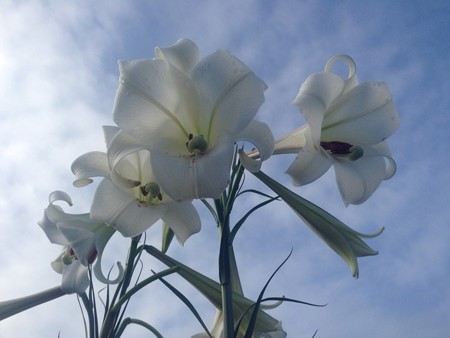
{"x": 337, "y": 147}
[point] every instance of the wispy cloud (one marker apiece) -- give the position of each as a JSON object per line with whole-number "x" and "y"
{"x": 57, "y": 86}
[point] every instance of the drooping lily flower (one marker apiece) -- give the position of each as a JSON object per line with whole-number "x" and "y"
{"x": 266, "y": 326}
{"x": 347, "y": 124}
{"x": 129, "y": 197}
{"x": 83, "y": 240}
{"x": 189, "y": 113}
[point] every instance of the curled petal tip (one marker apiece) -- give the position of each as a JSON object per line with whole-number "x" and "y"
{"x": 250, "y": 164}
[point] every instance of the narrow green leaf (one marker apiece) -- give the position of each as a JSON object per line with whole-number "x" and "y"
{"x": 167, "y": 236}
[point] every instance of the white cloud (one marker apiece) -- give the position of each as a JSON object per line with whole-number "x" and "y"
{"x": 58, "y": 79}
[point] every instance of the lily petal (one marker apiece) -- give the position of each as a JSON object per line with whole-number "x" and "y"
{"x": 121, "y": 210}
{"x": 230, "y": 94}
{"x": 123, "y": 145}
{"x": 184, "y": 55}
{"x": 365, "y": 115}
{"x": 316, "y": 94}
{"x": 75, "y": 278}
{"x": 260, "y": 135}
{"x": 51, "y": 231}
{"x": 183, "y": 219}
{"x": 155, "y": 98}
{"x": 357, "y": 180}
{"x": 195, "y": 176}
{"x": 310, "y": 162}
{"x": 81, "y": 240}
{"x": 382, "y": 149}
{"x": 293, "y": 142}
{"x": 101, "y": 240}
{"x": 91, "y": 164}
{"x": 352, "y": 78}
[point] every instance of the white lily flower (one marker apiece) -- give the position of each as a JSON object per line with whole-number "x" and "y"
{"x": 347, "y": 124}
{"x": 189, "y": 113}
{"x": 83, "y": 240}
{"x": 129, "y": 198}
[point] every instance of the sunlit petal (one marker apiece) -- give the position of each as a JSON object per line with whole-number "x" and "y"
{"x": 86, "y": 166}
{"x": 184, "y": 55}
{"x": 154, "y": 98}
{"x": 315, "y": 96}
{"x": 230, "y": 94}
{"x": 196, "y": 176}
{"x": 115, "y": 206}
{"x": 365, "y": 115}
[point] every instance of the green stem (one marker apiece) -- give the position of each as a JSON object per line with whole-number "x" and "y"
{"x": 114, "y": 310}
{"x": 111, "y": 318}
{"x": 225, "y": 281}
{"x": 226, "y": 255}
{"x": 88, "y": 306}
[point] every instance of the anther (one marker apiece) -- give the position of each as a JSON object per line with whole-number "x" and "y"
{"x": 153, "y": 189}
{"x": 197, "y": 144}
{"x": 355, "y": 153}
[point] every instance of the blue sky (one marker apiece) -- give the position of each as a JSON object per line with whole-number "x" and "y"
{"x": 59, "y": 74}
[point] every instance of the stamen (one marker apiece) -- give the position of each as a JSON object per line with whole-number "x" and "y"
{"x": 337, "y": 147}
{"x": 197, "y": 144}
{"x": 343, "y": 148}
{"x": 152, "y": 189}
{"x": 355, "y": 153}
{"x": 67, "y": 259}
{"x": 92, "y": 256}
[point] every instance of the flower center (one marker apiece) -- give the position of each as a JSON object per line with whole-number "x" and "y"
{"x": 149, "y": 193}
{"x": 343, "y": 148}
{"x": 196, "y": 144}
{"x": 69, "y": 256}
